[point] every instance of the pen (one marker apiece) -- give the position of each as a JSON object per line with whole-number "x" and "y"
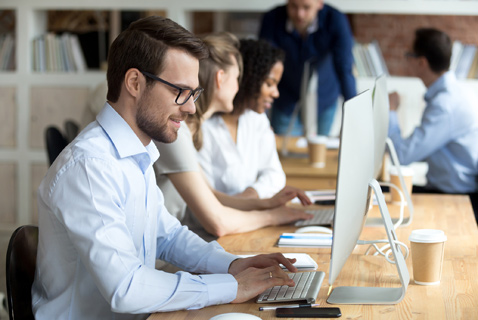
{"x": 306, "y": 305}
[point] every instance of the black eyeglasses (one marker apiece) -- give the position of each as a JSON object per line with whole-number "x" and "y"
{"x": 184, "y": 93}
{"x": 411, "y": 55}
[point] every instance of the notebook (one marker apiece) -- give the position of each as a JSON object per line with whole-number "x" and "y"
{"x": 317, "y": 240}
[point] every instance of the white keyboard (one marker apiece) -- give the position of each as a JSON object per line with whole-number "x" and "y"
{"x": 307, "y": 286}
{"x": 321, "y": 217}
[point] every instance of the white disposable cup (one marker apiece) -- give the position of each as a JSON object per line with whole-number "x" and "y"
{"x": 317, "y": 150}
{"x": 407, "y": 173}
{"x": 428, "y": 248}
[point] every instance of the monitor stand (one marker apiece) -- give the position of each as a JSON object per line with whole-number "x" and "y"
{"x": 374, "y": 295}
{"x": 371, "y": 222}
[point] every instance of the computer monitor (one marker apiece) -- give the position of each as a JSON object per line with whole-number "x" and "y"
{"x": 355, "y": 180}
{"x": 381, "y": 110}
{"x": 381, "y": 113}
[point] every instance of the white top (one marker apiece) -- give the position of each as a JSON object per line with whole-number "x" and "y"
{"x": 103, "y": 224}
{"x": 252, "y": 162}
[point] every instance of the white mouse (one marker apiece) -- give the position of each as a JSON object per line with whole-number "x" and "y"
{"x": 314, "y": 229}
{"x": 235, "y": 316}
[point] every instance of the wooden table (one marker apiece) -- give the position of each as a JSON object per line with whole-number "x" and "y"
{"x": 455, "y": 298}
{"x": 299, "y": 173}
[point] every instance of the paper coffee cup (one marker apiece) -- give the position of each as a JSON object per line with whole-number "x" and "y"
{"x": 317, "y": 150}
{"x": 407, "y": 173}
{"x": 427, "y": 247}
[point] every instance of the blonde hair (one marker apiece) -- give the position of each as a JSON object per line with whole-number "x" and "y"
{"x": 223, "y": 50}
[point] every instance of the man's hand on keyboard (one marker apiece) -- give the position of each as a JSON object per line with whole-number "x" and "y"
{"x": 253, "y": 281}
{"x": 262, "y": 261}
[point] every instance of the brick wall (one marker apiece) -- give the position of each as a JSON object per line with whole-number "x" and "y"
{"x": 395, "y": 33}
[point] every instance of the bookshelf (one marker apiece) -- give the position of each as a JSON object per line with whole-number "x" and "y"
{"x": 31, "y": 100}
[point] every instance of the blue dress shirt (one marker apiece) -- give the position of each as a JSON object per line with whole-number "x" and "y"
{"x": 103, "y": 224}
{"x": 447, "y": 138}
{"x": 330, "y": 45}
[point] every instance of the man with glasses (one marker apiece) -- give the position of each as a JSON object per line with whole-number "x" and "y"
{"x": 102, "y": 218}
{"x": 447, "y": 138}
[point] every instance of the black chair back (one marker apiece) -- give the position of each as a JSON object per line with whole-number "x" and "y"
{"x": 71, "y": 130}
{"x": 21, "y": 263}
{"x": 55, "y": 142}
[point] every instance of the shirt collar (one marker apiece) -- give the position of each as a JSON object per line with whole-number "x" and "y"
{"x": 447, "y": 79}
{"x": 125, "y": 141}
{"x": 313, "y": 27}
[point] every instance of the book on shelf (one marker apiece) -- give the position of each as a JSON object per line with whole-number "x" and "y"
{"x": 368, "y": 59}
{"x": 7, "y": 52}
{"x": 59, "y": 53}
{"x": 473, "y": 73}
{"x": 456, "y": 50}
{"x": 464, "y": 60}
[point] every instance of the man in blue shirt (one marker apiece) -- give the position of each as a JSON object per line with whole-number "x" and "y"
{"x": 309, "y": 30}
{"x": 102, "y": 218}
{"x": 447, "y": 138}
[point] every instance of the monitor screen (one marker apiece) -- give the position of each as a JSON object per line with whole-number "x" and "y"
{"x": 381, "y": 110}
{"x": 355, "y": 170}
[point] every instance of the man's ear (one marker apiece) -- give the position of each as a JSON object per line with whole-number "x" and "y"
{"x": 423, "y": 62}
{"x": 133, "y": 82}
{"x": 219, "y": 78}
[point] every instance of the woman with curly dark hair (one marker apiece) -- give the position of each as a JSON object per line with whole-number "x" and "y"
{"x": 239, "y": 155}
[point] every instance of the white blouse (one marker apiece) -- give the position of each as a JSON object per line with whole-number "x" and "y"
{"x": 252, "y": 162}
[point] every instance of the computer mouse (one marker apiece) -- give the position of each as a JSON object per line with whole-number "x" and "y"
{"x": 317, "y": 229}
{"x": 235, "y": 316}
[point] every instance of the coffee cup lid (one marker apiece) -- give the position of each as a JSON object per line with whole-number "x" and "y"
{"x": 317, "y": 139}
{"x": 427, "y": 236}
{"x": 406, "y": 171}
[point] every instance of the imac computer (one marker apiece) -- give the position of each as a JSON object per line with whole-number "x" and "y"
{"x": 355, "y": 181}
{"x": 381, "y": 110}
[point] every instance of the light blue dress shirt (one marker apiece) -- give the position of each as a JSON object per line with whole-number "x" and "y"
{"x": 447, "y": 138}
{"x": 103, "y": 224}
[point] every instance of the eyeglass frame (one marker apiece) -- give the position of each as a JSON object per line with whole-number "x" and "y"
{"x": 192, "y": 91}
{"x": 409, "y": 54}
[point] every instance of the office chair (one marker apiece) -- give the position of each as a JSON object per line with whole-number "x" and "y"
{"x": 71, "y": 130}
{"x": 21, "y": 262}
{"x": 55, "y": 142}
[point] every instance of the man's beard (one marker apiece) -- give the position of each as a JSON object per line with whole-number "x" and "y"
{"x": 156, "y": 130}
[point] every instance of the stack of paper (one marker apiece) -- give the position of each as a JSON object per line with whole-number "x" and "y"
{"x": 305, "y": 240}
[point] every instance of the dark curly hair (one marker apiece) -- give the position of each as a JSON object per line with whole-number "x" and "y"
{"x": 258, "y": 56}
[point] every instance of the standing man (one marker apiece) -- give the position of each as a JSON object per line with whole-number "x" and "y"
{"x": 309, "y": 30}
{"x": 102, "y": 219}
{"x": 447, "y": 138}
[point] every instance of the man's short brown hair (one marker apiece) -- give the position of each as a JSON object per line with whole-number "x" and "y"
{"x": 143, "y": 45}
